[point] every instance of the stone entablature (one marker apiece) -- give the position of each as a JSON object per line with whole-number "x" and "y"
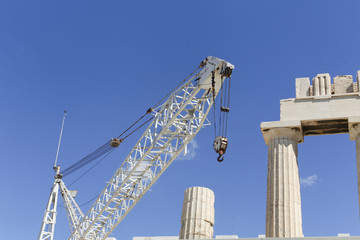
{"x": 322, "y": 111}
{"x": 322, "y": 88}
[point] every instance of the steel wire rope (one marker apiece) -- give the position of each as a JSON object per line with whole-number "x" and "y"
{"x": 147, "y": 112}
{"x": 101, "y": 161}
{"x": 77, "y": 179}
{"x": 220, "y": 115}
{"x": 157, "y": 104}
{"x": 228, "y": 105}
{"x": 213, "y": 98}
{"x": 87, "y": 202}
{"x": 224, "y": 113}
{"x": 106, "y": 147}
{"x": 139, "y": 127}
{"x": 86, "y": 160}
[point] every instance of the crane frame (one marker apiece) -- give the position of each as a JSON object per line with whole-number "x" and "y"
{"x": 176, "y": 122}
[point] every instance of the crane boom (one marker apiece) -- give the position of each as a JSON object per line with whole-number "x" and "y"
{"x": 175, "y": 124}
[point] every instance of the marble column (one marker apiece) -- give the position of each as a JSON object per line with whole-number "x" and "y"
{"x": 354, "y": 132}
{"x": 283, "y": 207}
{"x": 197, "y": 218}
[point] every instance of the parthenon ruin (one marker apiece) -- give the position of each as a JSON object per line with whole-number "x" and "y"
{"x": 318, "y": 109}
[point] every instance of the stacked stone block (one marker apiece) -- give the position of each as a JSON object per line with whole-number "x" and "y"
{"x": 322, "y": 87}
{"x": 198, "y": 214}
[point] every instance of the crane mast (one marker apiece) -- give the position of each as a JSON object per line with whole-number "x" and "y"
{"x": 176, "y": 122}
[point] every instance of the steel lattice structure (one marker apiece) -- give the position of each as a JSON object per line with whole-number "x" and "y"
{"x": 73, "y": 211}
{"x": 175, "y": 124}
{"x": 49, "y": 220}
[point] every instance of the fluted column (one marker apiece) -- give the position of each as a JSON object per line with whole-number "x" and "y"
{"x": 283, "y": 207}
{"x": 354, "y": 132}
{"x": 197, "y": 218}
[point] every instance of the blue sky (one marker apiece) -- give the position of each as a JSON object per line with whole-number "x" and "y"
{"x": 106, "y": 62}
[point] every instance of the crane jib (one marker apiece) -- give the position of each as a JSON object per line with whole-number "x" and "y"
{"x": 175, "y": 123}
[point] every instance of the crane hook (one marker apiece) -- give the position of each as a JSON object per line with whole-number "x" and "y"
{"x": 220, "y": 145}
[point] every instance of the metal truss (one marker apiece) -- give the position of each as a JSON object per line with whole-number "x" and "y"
{"x": 73, "y": 211}
{"x": 175, "y": 124}
{"x": 49, "y": 220}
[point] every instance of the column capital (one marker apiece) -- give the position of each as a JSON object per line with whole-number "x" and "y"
{"x": 290, "y": 129}
{"x": 354, "y": 127}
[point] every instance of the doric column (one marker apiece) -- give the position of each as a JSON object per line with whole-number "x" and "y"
{"x": 197, "y": 218}
{"x": 283, "y": 207}
{"x": 354, "y": 133}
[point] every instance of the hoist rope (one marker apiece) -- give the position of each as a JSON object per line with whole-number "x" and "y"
{"x": 225, "y": 113}
{"x": 213, "y": 96}
{"x": 221, "y": 104}
{"x": 224, "y": 107}
{"x": 228, "y": 105}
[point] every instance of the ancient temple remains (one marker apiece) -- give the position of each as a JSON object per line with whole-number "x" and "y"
{"x": 318, "y": 109}
{"x": 198, "y": 214}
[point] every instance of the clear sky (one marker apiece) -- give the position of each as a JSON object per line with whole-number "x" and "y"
{"x": 106, "y": 62}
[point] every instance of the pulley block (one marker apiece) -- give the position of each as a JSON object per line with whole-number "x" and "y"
{"x": 115, "y": 142}
{"x": 220, "y": 145}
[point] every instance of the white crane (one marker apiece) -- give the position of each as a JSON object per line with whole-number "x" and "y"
{"x": 175, "y": 123}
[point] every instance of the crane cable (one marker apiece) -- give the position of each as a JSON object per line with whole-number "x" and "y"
{"x": 213, "y": 95}
{"x": 77, "y": 179}
{"x": 104, "y": 149}
{"x": 228, "y": 105}
{"x": 107, "y": 148}
{"x": 167, "y": 95}
{"x": 224, "y": 106}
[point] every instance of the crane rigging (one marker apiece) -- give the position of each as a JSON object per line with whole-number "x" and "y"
{"x": 174, "y": 122}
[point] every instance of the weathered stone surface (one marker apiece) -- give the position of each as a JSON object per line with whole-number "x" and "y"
{"x": 302, "y": 87}
{"x": 354, "y": 133}
{"x": 354, "y": 129}
{"x": 322, "y": 84}
{"x": 309, "y": 109}
{"x": 282, "y": 128}
{"x": 358, "y": 81}
{"x": 198, "y": 214}
{"x": 343, "y": 84}
{"x": 283, "y": 207}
